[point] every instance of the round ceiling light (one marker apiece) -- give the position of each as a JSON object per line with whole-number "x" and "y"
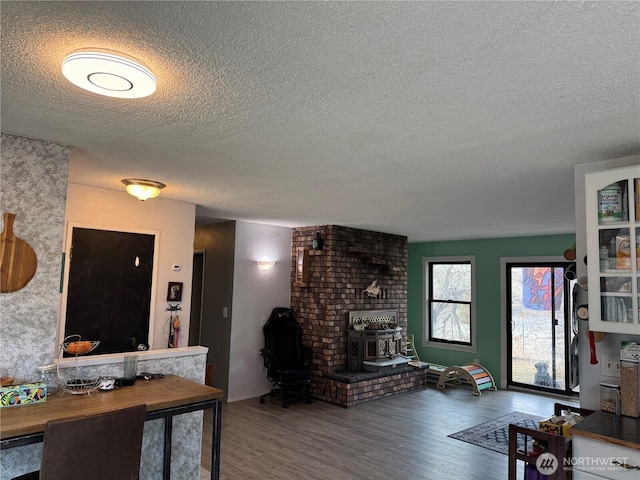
{"x": 143, "y": 189}
{"x": 108, "y": 73}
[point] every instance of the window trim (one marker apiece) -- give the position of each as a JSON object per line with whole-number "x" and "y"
{"x": 426, "y": 327}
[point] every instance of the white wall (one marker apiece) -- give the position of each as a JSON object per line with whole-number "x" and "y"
{"x": 175, "y": 221}
{"x": 255, "y": 293}
{"x": 591, "y": 375}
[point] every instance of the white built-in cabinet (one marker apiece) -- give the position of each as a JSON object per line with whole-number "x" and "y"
{"x": 595, "y": 460}
{"x": 612, "y": 200}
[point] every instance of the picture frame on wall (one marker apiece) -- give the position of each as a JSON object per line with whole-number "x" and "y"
{"x": 174, "y": 292}
{"x": 302, "y": 267}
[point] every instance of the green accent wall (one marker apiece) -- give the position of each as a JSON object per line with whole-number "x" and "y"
{"x": 487, "y": 254}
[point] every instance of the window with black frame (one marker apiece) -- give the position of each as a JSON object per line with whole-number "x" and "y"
{"x": 449, "y": 303}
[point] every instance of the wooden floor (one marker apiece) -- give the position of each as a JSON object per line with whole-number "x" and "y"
{"x": 400, "y": 437}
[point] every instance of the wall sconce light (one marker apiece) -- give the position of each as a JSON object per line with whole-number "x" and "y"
{"x": 265, "y": 265}
{"x": 143, "y": 189}
{"x": 108, "y": 73}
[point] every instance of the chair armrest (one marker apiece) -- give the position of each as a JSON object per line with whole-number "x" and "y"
{"x": 307, "y": 356}
{"x": 267, "y": 355}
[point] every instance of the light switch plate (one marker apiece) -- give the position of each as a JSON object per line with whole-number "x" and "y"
{"x": 610, "y": 365}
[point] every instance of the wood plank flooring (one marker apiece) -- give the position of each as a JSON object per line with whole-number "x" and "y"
{"x": 400, "y": 437}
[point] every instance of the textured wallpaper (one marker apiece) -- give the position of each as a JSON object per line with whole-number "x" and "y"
{"x": 33, "y": 182}
{"x": 34, "y": 186}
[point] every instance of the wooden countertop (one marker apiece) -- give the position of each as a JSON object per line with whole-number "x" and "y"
{"x": 611, "y": 428}
{"x": 157, "y": 394}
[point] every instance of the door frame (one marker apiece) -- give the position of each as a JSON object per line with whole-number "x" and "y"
{"x": 66, "y": 267}
{"x": 566, "y": 329}
{"x": 197, "y": 309}
{"x": 503, "y": 307}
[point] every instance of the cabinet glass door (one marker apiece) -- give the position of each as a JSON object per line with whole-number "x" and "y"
{"x": 615, "y": 287}
{"x": 613, "y": 240}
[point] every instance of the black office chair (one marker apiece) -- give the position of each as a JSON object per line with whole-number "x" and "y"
{"x": 287, "y": 361}
{"x": 104, "y": 446}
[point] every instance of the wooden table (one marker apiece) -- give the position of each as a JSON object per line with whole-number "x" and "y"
{"x": 164, "y": 398}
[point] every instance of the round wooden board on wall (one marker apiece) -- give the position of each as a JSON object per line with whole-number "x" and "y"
{"x": 18, "y": 260}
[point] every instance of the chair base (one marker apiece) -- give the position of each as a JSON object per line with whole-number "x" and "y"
{"x": 300, "y": 391}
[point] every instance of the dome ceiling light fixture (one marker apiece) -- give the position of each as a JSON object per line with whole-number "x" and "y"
{"x": 109, "y": 73}
{"x": 143, "y": 189}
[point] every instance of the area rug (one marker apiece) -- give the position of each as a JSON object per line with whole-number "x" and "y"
{"x": 494, "y": 434}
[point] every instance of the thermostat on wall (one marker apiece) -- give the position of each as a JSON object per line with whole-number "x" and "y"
{"x": 176, "y": 267}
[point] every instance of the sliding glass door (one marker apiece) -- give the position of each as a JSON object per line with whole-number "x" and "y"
{"x": 540, "y": 327}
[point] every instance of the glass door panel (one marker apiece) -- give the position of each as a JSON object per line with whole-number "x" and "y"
{"x": 612, "y": 199}
{"x": 540, "y": 327}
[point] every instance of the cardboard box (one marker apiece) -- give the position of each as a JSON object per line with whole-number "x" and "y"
{"x": 23, "y": 394}
{"x": 623, "y": 250}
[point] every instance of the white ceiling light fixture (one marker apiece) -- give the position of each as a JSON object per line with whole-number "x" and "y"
{"x": 143, "y": 189}
{"x": 109, "y": 73}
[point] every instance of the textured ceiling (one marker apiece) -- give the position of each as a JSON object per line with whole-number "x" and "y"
{"x": 435, "y": 120}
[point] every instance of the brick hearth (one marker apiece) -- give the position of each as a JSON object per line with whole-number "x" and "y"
{"x": 349, "y": 261}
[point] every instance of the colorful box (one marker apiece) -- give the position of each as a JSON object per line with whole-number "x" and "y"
{"x": 554, "y": 426}
{"x": 24, "y": 394}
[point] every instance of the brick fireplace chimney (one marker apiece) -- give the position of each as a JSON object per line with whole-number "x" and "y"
{"x": 336, "y": 278}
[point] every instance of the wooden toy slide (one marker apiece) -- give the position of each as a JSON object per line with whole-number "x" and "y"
{"x": 474, "y": 374}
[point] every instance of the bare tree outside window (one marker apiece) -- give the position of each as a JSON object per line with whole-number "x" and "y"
{"x": 450, "y": 302}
